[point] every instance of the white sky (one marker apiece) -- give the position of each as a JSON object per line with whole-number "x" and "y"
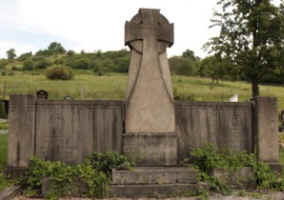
{"x": 28, "y": 25}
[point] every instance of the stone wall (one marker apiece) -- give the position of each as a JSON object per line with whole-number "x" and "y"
{"x": 62, "y": 130}
{"x": 225, "y": 125}
{"x": 71, "y": 130}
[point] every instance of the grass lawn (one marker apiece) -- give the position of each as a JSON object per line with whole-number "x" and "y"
{"x": 113, "y": 86}
{"x": 3, "y": 159}
{"x": 3, "y": 150}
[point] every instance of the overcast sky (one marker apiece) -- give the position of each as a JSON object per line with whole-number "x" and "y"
{"x": 90, "y": 25}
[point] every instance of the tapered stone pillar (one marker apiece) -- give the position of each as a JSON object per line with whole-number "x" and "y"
{"x": 150, "y": 136}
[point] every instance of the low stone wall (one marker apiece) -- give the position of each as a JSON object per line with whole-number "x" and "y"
{"x": 62, "y": 130}
{"x": 71, "y": 130}
{"x": 225, "y": 125}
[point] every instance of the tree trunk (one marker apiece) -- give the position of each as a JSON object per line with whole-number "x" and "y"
{"x": 255, "y": 89}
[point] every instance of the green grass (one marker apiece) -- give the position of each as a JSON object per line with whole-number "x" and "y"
{"x": 3, "y": 125}
{"x": 113, "y": 86}
{"x": 3, "y": 160}
{"x": 3, "y": 150}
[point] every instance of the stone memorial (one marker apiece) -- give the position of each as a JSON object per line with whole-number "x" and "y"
{"x": 150, "y": 112}
{"x": 148, "y": 126}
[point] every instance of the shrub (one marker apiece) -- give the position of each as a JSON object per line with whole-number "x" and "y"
{"x": 63, "y": 179}
{"x": 206, "y": 158}
{"x": 28, "y": 65}
{"x": 42, "y": 63}
{"x": 59, "y": 72}
{"x": 80, "y": 63}
{"x": 107, "y": 161}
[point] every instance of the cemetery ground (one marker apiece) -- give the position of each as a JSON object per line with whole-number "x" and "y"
{"x": 87, "y": 86}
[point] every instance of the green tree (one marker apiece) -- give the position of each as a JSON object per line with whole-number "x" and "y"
{"x": 28, "y": 65}
{"x": 11, "y": 54}
{"x": 25, "y": 56}
{"x": 251, "y": 38}
{"x": 56, "y": 48}
{"x": 183, "y": 66}
{"x": 190, "y": 55}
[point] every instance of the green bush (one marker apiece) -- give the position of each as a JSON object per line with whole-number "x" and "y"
{"x": 58, "y": 72}
{"x": 65, "y": 180}
{"x": 28, "y": 65}
{"x": 107, "y": 161}
{"x": 207, "y": 158}
{"x": 42, "y": 63}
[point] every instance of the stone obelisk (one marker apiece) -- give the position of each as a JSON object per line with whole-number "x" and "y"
{"x": 150, "y": 136}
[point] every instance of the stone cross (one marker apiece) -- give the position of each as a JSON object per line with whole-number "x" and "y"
{"x": 149, "y": 25}
{"x": 150, "y": 100}
{"x": 150, "y": 111}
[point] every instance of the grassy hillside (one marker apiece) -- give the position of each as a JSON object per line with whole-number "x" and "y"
{"x": 113, "y": 86}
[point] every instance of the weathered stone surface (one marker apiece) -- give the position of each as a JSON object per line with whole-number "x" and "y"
{"x": 225, "y": 125}
{"x": 155, "y": 190}
{"x": 151, "y": 149}
{"x": 69, "y": 131}
{"x": 154, "y": 175}
{"x": 240, "y": 178}
{"x": 266, "y": 120}
{"x": 150, "y": 106}
{"x": 21, "y": 130}
{"x": 9, "y": 192}
{"x": 276, "y": 166}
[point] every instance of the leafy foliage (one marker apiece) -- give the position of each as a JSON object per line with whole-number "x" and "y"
{"x": 58, "y": 72}
{"x": 107, "y": 161}
{"x": 207, "y": 158}
{"x": 28, "y": 65}
{"x": 251, "y": 38}
{"x": 64, "y": 179}
{"x": 11, "y": 54}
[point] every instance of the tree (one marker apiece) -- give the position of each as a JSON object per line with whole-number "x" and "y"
{"x": 56, "y": 48}
{"x": 28, "y": 65}
{"x": 190, "y": 54}
{"x": 183, "y": 66}
{"x": 11, "y": 54}
{"x": 251, "y": 38}
{"x": 25, "y": 56}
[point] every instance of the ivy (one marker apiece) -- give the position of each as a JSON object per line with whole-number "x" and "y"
{"x": 92, "y": 176}
{"x": 207, "y": 158}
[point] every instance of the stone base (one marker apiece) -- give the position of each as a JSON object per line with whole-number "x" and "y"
{"x": 275, "y": 166}
{"x": 155, "y": 190}
{"x": 242, "y": 178}
{"x": 154, "y": 175}
{"x": 151, "y": 149}
{"x": 14, "y": 172}
{"x": 10, "y": 192}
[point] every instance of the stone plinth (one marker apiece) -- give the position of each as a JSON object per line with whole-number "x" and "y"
{"x": 155, "y": 175}
{"x": 151, "y": 149}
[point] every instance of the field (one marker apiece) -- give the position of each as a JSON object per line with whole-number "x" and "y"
{"x": 113, "y": 86}
{"x": 3, "y": 159}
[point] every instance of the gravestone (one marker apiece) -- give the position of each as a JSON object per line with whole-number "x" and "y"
{"x": 42, "y": 94}
{"x": 150, "y": 137}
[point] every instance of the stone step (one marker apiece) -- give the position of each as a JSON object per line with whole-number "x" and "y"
{"x": 154, "y": 175}
{"x": 155, "y": 190}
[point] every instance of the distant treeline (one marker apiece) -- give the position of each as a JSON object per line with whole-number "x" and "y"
{"x": 99, "y": 62}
